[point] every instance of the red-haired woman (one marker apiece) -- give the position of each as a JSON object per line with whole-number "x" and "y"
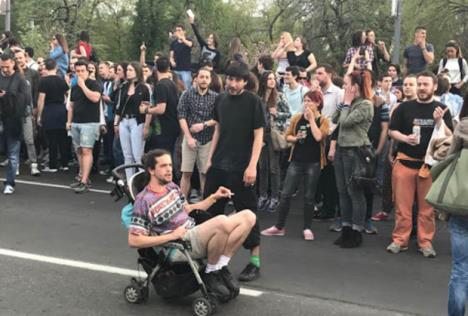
{"x": 307, "y": 132}
{"x": 354, "y": 117}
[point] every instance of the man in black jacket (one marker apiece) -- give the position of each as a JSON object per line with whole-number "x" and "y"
{"x": 13, "y": 93}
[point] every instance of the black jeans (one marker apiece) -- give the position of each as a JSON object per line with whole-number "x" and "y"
{"x": 327, "y": 190}
{"x": 57, "y": 142}
{"x": 269, "y": 175}
{"x": 243, "y": 198}
{"x": 353, "y": 204}
{"x": 310, "y": 173}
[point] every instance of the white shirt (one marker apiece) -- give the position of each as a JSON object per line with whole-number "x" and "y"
{"x": 454, "y": 70}
{"x": 331, "y": 98}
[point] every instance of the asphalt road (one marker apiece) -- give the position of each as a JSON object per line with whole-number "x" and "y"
{"x": 298, "y": 277}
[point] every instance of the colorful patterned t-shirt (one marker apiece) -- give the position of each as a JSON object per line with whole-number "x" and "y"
{"x": 159, "y": 213}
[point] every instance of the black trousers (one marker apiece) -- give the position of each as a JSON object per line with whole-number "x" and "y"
{"x": 57, "y": 142}
{"x": 243, "y": 198}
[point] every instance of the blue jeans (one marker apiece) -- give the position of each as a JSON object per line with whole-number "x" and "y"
{"x": 13, "y": 146}
{"x": 458, "y": 285}
{"x": 310, "y": 172}
{"x": 186, "y": 77}
{"x": 133, "y": 144}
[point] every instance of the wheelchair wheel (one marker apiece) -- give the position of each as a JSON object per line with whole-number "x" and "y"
{"x": 133, "y": 294}
{"x": 202, "y": 307}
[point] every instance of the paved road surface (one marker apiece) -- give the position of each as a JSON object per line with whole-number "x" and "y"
{"x": 298, "y": 277}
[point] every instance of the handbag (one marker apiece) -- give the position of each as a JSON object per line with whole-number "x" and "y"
{"x": 363, "y": 174}
{"x": 278, "y": 138}
{"x": 449, "y": 185}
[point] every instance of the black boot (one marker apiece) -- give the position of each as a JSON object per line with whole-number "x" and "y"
{"x": 354, "y": 241}
{"x": 345, "y": 234}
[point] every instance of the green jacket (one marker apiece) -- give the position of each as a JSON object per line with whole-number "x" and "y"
{"x": 354, "y": 123}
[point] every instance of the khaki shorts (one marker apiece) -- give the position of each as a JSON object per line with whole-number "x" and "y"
{"x": 190, "y": 157}
{"x": 198, "y": 250}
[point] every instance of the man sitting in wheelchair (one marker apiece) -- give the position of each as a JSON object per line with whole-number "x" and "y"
{"x": 161, "y": 215}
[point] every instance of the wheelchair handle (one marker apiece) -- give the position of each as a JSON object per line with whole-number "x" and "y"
{"x": 115, "y": 171}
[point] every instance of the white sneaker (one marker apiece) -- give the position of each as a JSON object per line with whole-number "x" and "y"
{"x": 4, "y": 163}
{"x": 8, "y": 189}
{"x": 47, "y": 169}
{"x": 35, "y": 170}
{"x": 17, "y": 170}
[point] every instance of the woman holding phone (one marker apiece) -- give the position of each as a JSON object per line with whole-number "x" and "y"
{"x": 131, "y": 126}
{"x": 208, "y": 49}
{"x": 365, "y": 52}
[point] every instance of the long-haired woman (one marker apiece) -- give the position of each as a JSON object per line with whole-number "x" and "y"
{"x": 59, "y": 53}
{"x": 129, "y": 123}
{"x": 354, "y": 118}
{"x": 277, "y": 116}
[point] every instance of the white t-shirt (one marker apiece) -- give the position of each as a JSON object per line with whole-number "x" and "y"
{"x": 454, "y": 70}
{"x": 295, "y": 98}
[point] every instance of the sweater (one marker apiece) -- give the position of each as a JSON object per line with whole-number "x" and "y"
{"x": 354, "y": 122}
{"x": 324, "y": 126}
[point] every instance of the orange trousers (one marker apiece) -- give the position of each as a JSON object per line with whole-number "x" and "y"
{"x": 407, "y": 186}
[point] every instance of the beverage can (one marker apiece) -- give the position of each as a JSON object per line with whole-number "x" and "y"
{"x": 417, "y": 132}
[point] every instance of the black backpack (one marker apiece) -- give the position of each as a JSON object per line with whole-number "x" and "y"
{"x": 460, "y": 64}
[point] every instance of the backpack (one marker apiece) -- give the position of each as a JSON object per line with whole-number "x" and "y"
{"x": 460, "y": 65}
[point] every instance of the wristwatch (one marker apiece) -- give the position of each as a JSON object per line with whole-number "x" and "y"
{"x": 205, "y": 125}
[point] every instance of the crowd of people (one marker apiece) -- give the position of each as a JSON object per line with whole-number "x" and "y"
{"x": 259, "y": 129}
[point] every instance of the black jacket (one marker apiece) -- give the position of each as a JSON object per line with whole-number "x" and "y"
{"x": 13, "y": 103}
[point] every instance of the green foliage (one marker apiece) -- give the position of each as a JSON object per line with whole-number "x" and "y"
{"x": 117, "y": 27}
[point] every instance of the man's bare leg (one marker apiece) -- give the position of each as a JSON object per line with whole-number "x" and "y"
{"x": 214, "y": 234}
{"x": 239, "y": 226}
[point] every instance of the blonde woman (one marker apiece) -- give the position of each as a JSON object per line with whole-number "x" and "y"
{"x": 285, "y": 45}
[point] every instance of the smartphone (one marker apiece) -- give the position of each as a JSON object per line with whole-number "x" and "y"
{"x": 362, "y": 50}
{"x": 190, "y": 13}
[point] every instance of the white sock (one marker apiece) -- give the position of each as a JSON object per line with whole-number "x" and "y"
{"x": 223, "y": 261}
{"x": 211, "y": 267}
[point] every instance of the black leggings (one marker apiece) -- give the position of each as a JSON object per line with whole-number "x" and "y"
{"x": 57, "y": 141}
{"x": 243, "y": 198}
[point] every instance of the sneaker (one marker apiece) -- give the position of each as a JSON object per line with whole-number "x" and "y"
{"x": 396, "y": 248}
{"x": 273, "y": 205}
{"x": 262, "y": 203}
{"x": 75, "y": 184}
{"x": 49, "y": 170}
{"x": 35, "y": 170}
{"x": 230, "y": 282}
{"x": 215, "y": 285}
{"x": 110, "y": 180}
{"x": 273, "y": 231}
{"x": 336, "y": 226}
{"x": 4, "y": 163}
{"x": 250, "y": 273}
{"x": 308, "y": 234}
{"x": 380, "y": 216}
{"x": 8, "y": 189}
{"x": 428, "y": 252}
{"x": 17, "y": 170}
{"x": 64, "y": 168}
{"x": 369, "y": 228}
{"x": 104, "y": 172}
{"x": 82, "y": 188}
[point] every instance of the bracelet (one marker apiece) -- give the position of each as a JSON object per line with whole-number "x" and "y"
{"x": 205, "y": 125}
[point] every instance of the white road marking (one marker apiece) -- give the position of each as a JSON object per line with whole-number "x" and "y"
{"x": 92, "y": 266}
{"x": 51, "y": 185}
